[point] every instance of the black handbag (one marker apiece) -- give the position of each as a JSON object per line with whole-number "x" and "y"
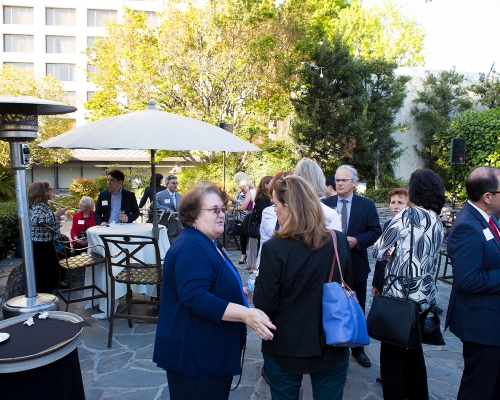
{"x": 432, "y": 329}
{"x": 234, "y": 227}
{"x": 251, "y": 226}
{"x": 396, "y": 320}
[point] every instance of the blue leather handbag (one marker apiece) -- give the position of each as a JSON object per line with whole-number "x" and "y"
{"x": 344, "y": 322}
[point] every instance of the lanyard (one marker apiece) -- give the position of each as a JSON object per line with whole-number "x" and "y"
{"x": 233, "y": 270}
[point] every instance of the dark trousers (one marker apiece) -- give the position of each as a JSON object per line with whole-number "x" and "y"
{"x": 360, "y": 290}
{"x": 243, "y": 244}
{"x": 44, "y": 254}
{"x": 326, "y": 385}
{"x": 190, "y": 388}
{"x": 481, "y": 376}
{"x": 403, "y": 371}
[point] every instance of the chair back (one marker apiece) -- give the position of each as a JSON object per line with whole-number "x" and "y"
{"x": 61, "y": 245}
{"x": 127, "y": 251}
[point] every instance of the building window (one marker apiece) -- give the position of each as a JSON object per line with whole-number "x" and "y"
{"x": 18, "y": 15}
{"x": 91, "y": 69}
{"x": 21, "y": 65}
{"x": 61, "y": 44}
{"x": 97, "y": 17}
{"x": 18, "y": 43}
{"x": 71, "y": 98}
{"x": 63, "y": 72}
{"x": 89, "y": 95}
{"x": 60, "y": 16}
{"x": 153, "y": 20}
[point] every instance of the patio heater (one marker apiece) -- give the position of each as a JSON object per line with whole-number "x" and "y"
{"x": 19, "y": 125}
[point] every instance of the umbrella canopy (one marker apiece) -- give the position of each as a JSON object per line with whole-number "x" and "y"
{"x": 150, "y": 129}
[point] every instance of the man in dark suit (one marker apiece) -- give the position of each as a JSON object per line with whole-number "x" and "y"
{"x": 116, "y": 204}
{"x": 361, "y": 225}
{"x": 474, "y": 308}
{"x": 168, "y": 200}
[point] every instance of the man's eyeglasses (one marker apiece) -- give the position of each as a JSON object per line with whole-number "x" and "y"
{"x": 491, "y": 192}
{"x": 216, "y": 210}
{"x": 342, "y": 180}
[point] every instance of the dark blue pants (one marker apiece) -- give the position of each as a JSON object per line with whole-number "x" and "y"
{"x": 326, "y": 385}
{"x": 189, "y": 388}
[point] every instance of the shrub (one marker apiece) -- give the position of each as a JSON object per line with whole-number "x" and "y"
{"x": 101, "y": 182}
{"x": 81, "y": 187}
{"x": 7, "y": 189}
{"x": 9, "y": 229}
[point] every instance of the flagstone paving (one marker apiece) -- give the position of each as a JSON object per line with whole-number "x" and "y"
{"x": 127, "y": 371}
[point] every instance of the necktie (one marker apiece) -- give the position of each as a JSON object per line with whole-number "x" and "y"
{"x": 344, "y": 216}
{"x": 173, "y": 200}
{"x": 494, "y": 228}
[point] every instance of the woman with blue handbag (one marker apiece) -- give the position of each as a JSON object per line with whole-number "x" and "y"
{"x": 295, "y": 263}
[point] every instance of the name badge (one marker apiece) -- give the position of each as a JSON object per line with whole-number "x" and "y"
{"x": 487, "y": 234}
{"x": 81, "y": 222}
{"x": 167, "y": 201}
{"x": 104, "y": 202}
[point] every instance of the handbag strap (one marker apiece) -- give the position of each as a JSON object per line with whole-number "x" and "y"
{"x": 335, "y": 259}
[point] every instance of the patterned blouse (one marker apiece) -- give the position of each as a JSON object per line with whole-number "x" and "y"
{"x": 40, "y": 215}
{"x": 427, "y": 241}
{"x": 240, "y": 215}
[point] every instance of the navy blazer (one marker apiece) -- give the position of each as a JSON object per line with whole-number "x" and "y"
{"x": 474, "y": 307}
{"x": 198, "y": 284}
{"x": 364, "y": 225}
{"x": 129, "y": 205}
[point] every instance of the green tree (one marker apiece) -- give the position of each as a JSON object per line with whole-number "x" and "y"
{"x": 444, "y": 96}
{"x": 25, "y": 82}
{"x": 481, "y": 130}
{"x": 488, "y": 92}
{"x": 329, "y": 104}
{"x": 385, "y": 93}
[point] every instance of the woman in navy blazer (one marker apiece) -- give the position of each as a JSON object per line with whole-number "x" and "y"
{"x": 201, "y": 327}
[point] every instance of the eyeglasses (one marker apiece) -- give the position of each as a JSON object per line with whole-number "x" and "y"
{"x": 492, "y": 192}
{"x": 50, "y": 189}
{"x": 216, "y": 210}
{"x": 342, "y": 180}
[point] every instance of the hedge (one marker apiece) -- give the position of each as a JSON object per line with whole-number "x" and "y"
{"x": 9, "y": 229}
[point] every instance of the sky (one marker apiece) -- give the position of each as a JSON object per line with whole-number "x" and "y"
{"x": 464, "y": 34}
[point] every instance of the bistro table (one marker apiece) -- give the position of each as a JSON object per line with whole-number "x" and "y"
{"x": 41, "y": 361}
{"x": 147, "y": 255}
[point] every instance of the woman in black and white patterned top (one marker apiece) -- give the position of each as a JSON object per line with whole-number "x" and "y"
{"x": 403, "y": 370}
{"x": 41, "y": 216}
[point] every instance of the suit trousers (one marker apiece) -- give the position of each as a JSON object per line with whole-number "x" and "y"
{"x": 326, "y": 385}
{"x": 481, "y": 376}
{"x": 403, "y": 371}
{"x": 191, "y": 388}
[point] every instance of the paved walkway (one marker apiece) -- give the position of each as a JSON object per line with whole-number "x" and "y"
{"x": 127, "y": 372}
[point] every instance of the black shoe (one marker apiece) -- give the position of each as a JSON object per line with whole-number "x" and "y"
{"x": 379, "y": 380}
{"x": 263, "y": 373}
{"x": 243, "y": 261}
{"x": 362, "y": 359}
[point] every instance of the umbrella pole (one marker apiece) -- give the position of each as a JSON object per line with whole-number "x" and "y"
{"x": 156, "y": 230}
{"x": 224, "y": 236}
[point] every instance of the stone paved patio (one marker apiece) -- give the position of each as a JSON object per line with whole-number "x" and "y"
{"x": 127, "y": 372}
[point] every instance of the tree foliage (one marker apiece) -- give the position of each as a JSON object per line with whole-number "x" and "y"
{"x": 488, "y": 92}
{"x": 481, "y": 130}
{"x": 345, "y": 110}
{"x": 443, "y": 97}
{"x": 25, "y": 82}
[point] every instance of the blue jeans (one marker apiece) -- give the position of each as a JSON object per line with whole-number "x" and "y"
{"x": 326, "y": 385}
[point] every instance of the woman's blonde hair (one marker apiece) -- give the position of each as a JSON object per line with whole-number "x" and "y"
{"x": 37, "y": 193}
{"x": 306, "y": 221}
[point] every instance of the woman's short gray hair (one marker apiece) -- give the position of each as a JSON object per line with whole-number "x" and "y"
{"x": 311, "y": 172}
{"x": 354, "y": 173}
{"x": 88, "y": 202}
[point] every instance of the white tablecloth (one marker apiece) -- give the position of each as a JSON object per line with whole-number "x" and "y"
{"x": 147, "y": 255}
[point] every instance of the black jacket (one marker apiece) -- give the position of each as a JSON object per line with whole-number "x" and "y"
{"x": 129, "y": 205}
{"x": 289, "y": 290}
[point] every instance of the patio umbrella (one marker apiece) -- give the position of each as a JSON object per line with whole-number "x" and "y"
{"x": 150, "y": 129}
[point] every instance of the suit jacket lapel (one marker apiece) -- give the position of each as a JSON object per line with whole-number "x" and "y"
{"x": 485, "y": 224}
{"x": 352, "y": 214}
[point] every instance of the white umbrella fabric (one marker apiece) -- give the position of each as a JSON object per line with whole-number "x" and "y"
{"x": 150, "y": 129}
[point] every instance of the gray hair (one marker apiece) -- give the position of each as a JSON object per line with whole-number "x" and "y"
{"x": 354, "y": 173}
{"x": 311, "y": 172}
{"x": 88, "y": 202}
